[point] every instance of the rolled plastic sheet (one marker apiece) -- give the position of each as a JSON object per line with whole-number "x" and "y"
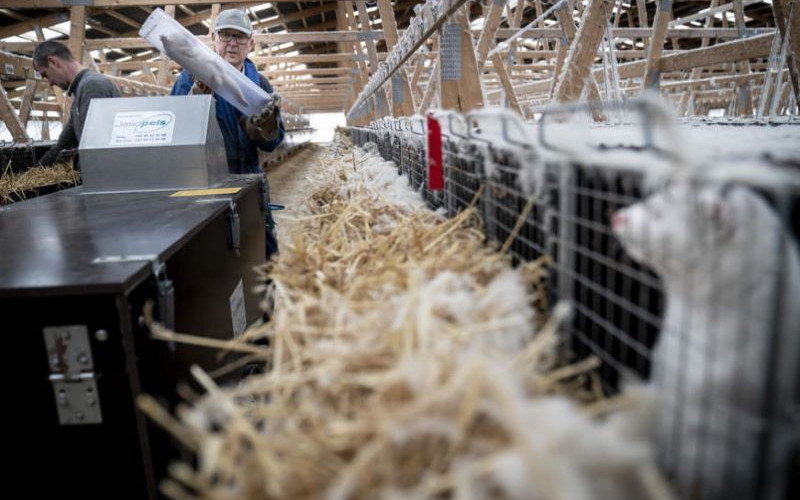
{"x": 167, "y": 35}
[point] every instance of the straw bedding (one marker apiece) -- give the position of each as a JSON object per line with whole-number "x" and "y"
{"x": 407, "y": 360}
{"x": 35, "y": 177}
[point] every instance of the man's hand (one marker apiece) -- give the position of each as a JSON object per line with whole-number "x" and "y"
{"x": 199, "y": 88}
{"x": 263, "y": 126}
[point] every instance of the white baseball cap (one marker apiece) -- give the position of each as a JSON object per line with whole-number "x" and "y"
{"x": 234, "y": 19}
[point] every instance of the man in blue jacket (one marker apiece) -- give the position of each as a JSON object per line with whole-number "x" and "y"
{"x": 243, "y": 135}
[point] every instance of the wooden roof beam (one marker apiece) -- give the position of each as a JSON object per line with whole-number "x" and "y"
{"x": 29, "y": 24}
{"x": 144, "y": 4}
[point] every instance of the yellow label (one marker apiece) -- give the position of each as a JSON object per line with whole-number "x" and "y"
{"x": 204, "y": 192}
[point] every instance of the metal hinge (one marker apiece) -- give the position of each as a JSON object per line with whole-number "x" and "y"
{"x": 398, "y": 94}
{"x": 450, "y": 48}
{"x": 166, "y": 295}
{"x": 234, "y": 228}
{"x": 69, "y": 357}
{"x": 367, "y": 35}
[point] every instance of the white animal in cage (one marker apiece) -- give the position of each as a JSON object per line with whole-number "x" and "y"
{"x": 726, "y": 260}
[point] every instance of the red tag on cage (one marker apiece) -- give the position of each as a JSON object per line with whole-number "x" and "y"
{"x": 435, "y": 170}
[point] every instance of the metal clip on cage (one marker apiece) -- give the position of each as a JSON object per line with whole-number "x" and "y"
{"x": 655, "y": 117}
{"x": 507, "y": 121}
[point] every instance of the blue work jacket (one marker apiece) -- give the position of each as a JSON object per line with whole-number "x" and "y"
{"x": 240, "y": 151}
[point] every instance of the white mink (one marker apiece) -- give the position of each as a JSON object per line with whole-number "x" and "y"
{"x": 718, "y": 252}
{"x": 204, "y": 65}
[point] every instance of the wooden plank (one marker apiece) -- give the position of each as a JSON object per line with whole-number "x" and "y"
{"x": 749, "y": 48}
{"x": 312, "y": 81}
{"x": 738, "y": 50}
{"x": 491, "y": 23}
{"x": 505, "y": 81}
{"x": 127, "y": 20}
{"x": 404, "y": 106}
{"x": 408, "y": 52}
{"x": 307, "y": 71}
{"x": 643, "y": 21}
{"x": 77, "y": 31}
{"x": 366, "y": 28}
{"x": 583, "y": 50}
{"x": 45, "y": 126}
{"x": 348, "y": 17}
{"x": 710, "y": 12}
{"x": 12, "y": 65}
{"x": 212, "y": 20}
{"x": 679, "y": 33}
{"x": 470, "y": 93}
{"x": 27, "y": 101}
{"x": 430, "y": 90}
{"x": 28, "y": 25}
{"x": 717, "y": 82}
{"x": 568, "y": 25}
{"x": 787, "y": 17}
{"x": 134, "y": 42}
{"x": 346, "y": 56}
{"x": 744, "y": 99}
{"x": 10, "y": 118}
{"x": 652, "y": 73}
{"x": 389, "y": 23}
{"x": 688, "y": 97}
{"x": 163, "y": 64}
{"x": 58, "y": 4}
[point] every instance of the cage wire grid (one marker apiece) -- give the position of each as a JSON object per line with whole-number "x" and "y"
{"x": 618, "y": 304}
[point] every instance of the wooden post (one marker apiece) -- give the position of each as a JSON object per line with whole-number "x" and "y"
{"x": 687, "y": 97}
{"x": 744, "y": 98}
{"x": 469, "y": 86}
{"x": 27, "y": 101}
{"x": 212, "y": 21}
{"x": 10, "y": 118}
{"x": 787, "y": 17}
{"x": 537, "y": 5}
{"x": 77, "y": 31}
{"x": 363, "y": 74}
{"x": 341, "y": 25}
{"x": 418, "y": 70}
{"x": 505, "y": 81}
{"x": 652, "y": 75}
{"x": 163, "y": 63}
{"x": 583, "y": 49}
{"x": 400, "y": 106}
{"x": 449, "y": 43}
{"x": 45, "y": 126}
{"x": 569, "y": 31}
{"x": 490, "y": 25}
{"x": 365, "y": 28}
{"x": 430, "y": 90}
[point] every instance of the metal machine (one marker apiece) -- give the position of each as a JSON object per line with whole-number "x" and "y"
{"x": 76, "y": 268}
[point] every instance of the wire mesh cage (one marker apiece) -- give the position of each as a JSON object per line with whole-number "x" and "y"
{"x": 397, "y": 146}
{"x": 463, "y": 172}
{"x": 692, "y": 285}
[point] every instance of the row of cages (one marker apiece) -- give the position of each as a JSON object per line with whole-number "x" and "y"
{"x": 691, "y": 284}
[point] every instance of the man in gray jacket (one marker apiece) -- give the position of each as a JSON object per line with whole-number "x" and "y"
{"x": 56, "y": 64}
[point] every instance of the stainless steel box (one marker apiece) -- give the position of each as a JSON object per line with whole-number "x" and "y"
{"x": 151, "y": 144}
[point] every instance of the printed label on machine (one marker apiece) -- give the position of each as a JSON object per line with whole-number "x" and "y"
{"x": 134, "y": 128}
{"x": 238, "y": 314}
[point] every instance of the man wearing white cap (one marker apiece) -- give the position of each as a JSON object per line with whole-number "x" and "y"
{"x": 232, "y": 38}
{"x": 243, "y": 135}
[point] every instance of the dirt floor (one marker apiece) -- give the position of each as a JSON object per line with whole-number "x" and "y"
{"x": 289, "y": 185}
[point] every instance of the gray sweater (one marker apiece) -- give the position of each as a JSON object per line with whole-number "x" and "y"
{"x": 86, "y": 86}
